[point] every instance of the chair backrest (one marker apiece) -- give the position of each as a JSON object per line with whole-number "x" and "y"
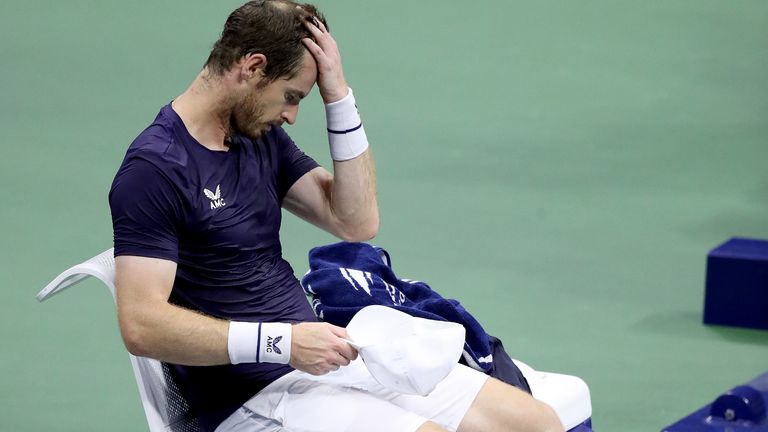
{"x": 165, "y": 407}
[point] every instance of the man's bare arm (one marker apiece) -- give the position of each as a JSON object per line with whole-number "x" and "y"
{"x": 152, "y": 327}
{"x": 343, "y": 203}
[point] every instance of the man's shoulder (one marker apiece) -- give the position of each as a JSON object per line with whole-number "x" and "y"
{"x": 159, "y": 145}
{"x": 155, "y": 155}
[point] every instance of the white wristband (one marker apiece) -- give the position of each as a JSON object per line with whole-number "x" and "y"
{"x": 254, "y": 342}
{"x": 346, "y": 135}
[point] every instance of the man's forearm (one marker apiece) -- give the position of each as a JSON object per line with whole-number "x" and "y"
{"x": 175, "y": 335}
{"x": 353, "y": 196}
{"x": 352, "y": 192}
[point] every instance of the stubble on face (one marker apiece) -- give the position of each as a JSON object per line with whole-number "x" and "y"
{"x": 247, "y": 116}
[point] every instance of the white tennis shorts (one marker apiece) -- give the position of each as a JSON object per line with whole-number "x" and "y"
{"x": 350, "y": 399}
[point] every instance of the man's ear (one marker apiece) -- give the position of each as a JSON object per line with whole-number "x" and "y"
{"x": 252, "y": 66}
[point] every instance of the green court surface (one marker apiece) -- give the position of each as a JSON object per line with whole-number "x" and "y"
{"x": 560, "y": 167}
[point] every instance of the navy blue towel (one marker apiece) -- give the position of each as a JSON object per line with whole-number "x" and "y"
{"x": 345, "y": 277}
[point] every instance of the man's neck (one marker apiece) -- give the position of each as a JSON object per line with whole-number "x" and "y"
{"x": 205, "y": 108}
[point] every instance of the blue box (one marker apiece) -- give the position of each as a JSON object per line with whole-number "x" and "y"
{"x": 741, "y": 409}
{"x": 737, "y": 284}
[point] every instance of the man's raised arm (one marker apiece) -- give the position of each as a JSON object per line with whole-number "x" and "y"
{"x": 343, "y": 203}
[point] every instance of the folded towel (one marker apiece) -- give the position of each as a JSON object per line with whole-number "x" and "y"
{"x": 345, "y": 277}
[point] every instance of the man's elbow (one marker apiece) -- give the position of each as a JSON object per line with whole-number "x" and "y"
{"x": 135, "y": 343}
{"x": 135, "y": 335}
{"x": 362, "y": 232}
{"x": 365, "y": 235}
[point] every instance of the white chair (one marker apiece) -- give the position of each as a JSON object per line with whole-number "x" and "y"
{"x": 568, "y": 395}
{"x": 165, "y": 408}
{"x": 167, "y": 411}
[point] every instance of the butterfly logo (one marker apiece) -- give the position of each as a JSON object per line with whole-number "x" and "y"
{"x": 272, "y": 344}
{"x": 216, "y": 200}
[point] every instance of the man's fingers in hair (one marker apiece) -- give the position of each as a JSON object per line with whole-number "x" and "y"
{"x": 312, "y": 27}
{"x": 321, "y": 35}
{"x": 319, "y": 24}
{"x": 314, "y": 48}
{"x": 311, "y": 19}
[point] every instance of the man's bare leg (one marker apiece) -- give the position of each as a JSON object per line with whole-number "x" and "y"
{"x": 500, "y": 407}
{"x": 430, "y": 427}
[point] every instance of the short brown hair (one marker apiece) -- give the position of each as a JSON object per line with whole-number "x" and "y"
{"x": 274, "y": 28}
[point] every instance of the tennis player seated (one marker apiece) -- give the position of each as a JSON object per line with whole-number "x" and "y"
{"x": 201, "y": 282}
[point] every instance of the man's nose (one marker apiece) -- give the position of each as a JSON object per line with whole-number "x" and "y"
{"x": 290, "y": 114}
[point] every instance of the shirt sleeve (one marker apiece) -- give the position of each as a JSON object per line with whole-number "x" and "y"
{"x": 292, "y": 163}
{"x": 145, "y": 211}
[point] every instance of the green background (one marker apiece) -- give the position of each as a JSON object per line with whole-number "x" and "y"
{"x": 561, "y": 167}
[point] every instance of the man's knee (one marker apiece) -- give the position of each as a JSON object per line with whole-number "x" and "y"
{"x": 537, "y": 417}
{"x": 501, "y": 407}
{"x": 550, "y": 422}
{"x": 430, "y": 427}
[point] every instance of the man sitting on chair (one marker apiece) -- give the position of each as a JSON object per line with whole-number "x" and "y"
{"x": 201, "y": 283}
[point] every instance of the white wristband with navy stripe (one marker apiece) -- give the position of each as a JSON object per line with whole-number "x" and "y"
{"x": 254, "y": 342}
{"x": 346, "y": 135}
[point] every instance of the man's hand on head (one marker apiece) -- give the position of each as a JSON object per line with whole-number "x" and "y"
{"x": 318, "y": 348}
{"x": 330, "y": 74}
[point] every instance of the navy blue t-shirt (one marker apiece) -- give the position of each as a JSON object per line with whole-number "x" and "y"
{"x": 217, "y": 215}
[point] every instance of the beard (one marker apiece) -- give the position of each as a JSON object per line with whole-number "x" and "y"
{"x": 247, "y": 117}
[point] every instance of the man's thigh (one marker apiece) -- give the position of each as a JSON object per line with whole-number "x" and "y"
{"x": 501, "y": 407}
{"x": 304, "y": 405}
{"x": 351, "y": 400}
{"x": 448, "y": 403}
